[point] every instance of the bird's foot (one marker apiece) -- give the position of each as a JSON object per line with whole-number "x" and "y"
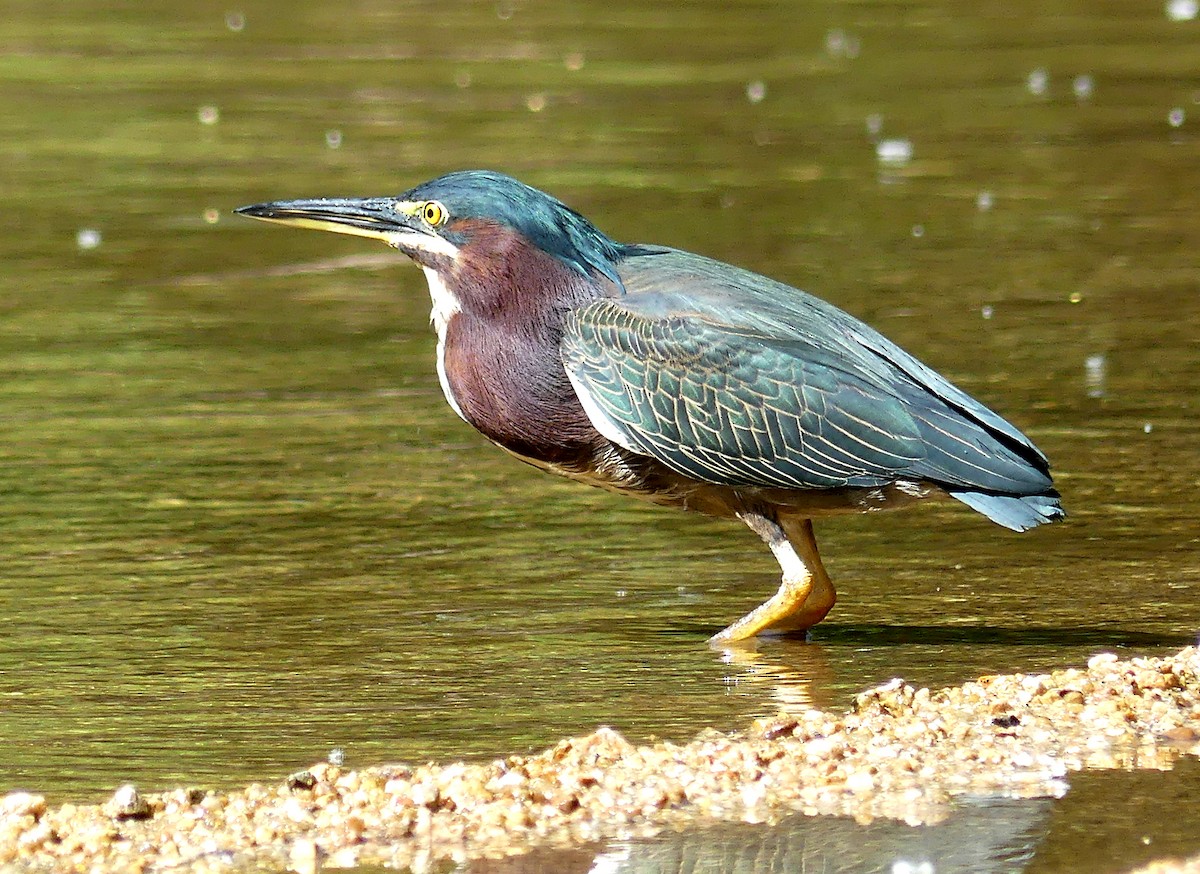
{"x": 795, "y": 608}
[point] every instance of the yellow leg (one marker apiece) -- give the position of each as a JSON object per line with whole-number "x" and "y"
{"x": 823, "y": 596}
{"x": 805, "y": 594}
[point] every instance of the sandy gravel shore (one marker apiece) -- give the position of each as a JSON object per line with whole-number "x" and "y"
{"x": 900, "y": 752}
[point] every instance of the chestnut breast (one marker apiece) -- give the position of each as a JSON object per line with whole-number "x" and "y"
{"x": 501, "y": 364}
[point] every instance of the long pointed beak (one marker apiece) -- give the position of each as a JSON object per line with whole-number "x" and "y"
{"x": 376, "y": 218}
{"x": 395, "y": 222}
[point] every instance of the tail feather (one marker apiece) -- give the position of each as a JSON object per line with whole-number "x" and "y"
{"x": 1020, "y": 513}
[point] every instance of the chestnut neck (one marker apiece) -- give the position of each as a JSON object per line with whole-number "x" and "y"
{"x": 502, "y": 357}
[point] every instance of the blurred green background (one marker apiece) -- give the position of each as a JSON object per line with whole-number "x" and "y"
{"x": 240, "y": 527}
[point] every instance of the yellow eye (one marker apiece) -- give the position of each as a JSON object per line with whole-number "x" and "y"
{"x": 433, "y": 213}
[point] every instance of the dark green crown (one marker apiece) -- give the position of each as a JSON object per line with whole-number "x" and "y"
{"x": 548, "y": 223}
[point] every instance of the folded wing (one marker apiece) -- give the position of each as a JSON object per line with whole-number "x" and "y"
{"x": 744, "y": 381}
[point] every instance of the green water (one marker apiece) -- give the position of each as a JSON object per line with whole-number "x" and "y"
{"x": 239, "y": 525}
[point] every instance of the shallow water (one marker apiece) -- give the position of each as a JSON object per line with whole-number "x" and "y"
{"x": 239, "y": 527}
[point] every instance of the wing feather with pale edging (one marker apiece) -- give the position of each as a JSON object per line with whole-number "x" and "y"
{"x": 731, "y": 406}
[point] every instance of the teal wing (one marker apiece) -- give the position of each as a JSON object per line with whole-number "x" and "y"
{"x": 732, "y": 378}
{"x": 733, "y": 407}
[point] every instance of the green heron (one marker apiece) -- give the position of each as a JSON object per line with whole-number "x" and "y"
{"x": 693, "y": 383}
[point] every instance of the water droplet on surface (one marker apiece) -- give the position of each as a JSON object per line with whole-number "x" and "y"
{"x": 333, "y": 138}
{"x": 1176, "y": 117}
{"x": 212, "y": 216}
{"x": 87, "y": 238}
{"x": 1147, "y": 428}
{"x": 840, "y": 44}
{"x": 1075, "y": 296}
{"x": 987, "y": 311}
{"x": 835, "y": 41}
{"x": 894, "y": 151}
{"x": 1182, "y": 10}
{"x": 756, "y": 91}
{"x": 208, "y": 114}
{"x": 235, "y": 21}
{"x": 918, "y": 231}
{"x": 1038, "y": 81}
{"x": 904, "y": 866}
{"x": 1095, "y": 369}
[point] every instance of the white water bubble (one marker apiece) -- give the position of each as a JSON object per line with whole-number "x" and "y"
{"x": 894, "y": 151}
{"x": 874, "y": 124}
{"x": 208, "y": 114}
{"x": 333, "y": 138}
{"x": 1095, "y": 373}
{"x": 1083, "y": 86}
{"x": 1176, "y": 117}
{"x": 835, "y": 41}
{"x": 984, "y": 201}
{"x": 87, "y": 238}
{"x": 235, "y": 21}
{"x": 905, "y": 866}
{"x": 1182, "y": 10}
{"x": 841, "y": 44}
{"x": 756, "y": 91}
{"x": 1038, "y": 81}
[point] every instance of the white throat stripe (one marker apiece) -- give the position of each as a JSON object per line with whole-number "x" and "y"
{"x": 445, "y": 307}
{"x": 417, "y": 241}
